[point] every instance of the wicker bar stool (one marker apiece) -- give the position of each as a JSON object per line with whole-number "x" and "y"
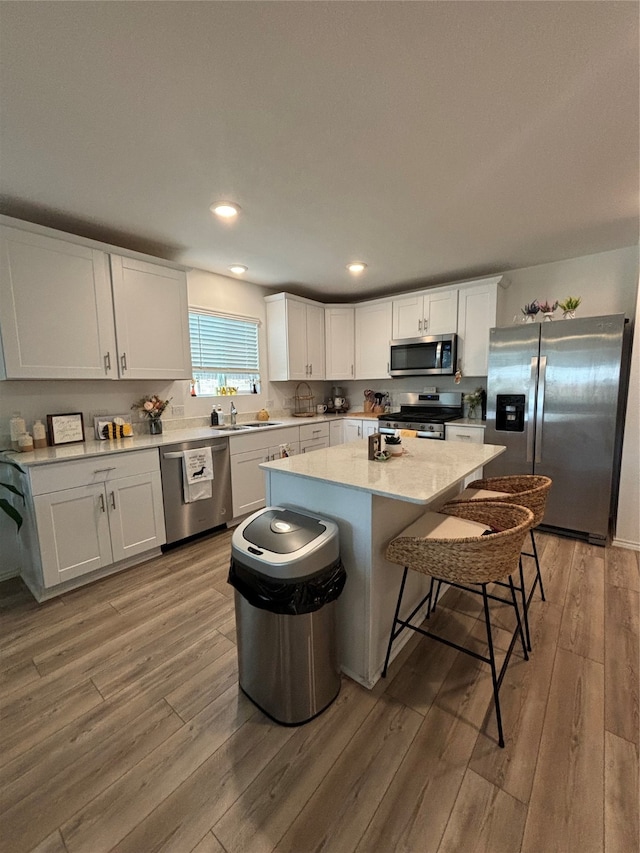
{"x": 528, "y": 490}
{"x": 480, "y": 547}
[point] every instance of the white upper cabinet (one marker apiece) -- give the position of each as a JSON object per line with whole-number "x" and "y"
{"x": 373, "y": 333}
{"x": 433, "y": 312}
{"x": 339, "y": 342}
{"x": 66, "y": 314}
{"x": 477, "y": 312}
{"x": 152, "y": 320}
{"x": 55, "y": 309}
{"x": 295, "y": 338}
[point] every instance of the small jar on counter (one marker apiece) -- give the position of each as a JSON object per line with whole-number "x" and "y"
{"x": 17, "y": 426}
{"x": 39, "y": 435}
{"x": 25, "y": 442}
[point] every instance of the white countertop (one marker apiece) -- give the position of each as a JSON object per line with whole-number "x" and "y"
{"x": 92, "y": 447}
{"x": 425, "y": 471}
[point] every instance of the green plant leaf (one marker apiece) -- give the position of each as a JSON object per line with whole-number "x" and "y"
{"x": 13, "y": 489}
{"x": 13, "y": 513}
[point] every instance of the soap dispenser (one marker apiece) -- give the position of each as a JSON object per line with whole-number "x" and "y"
{"x": 220, "y": 415}
{"x": 214, "y": 416}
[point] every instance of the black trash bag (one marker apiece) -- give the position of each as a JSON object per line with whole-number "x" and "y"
{"x": 290, "y": 597}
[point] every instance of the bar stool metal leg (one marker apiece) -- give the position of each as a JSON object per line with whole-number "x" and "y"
{"x": 393, "y": 634}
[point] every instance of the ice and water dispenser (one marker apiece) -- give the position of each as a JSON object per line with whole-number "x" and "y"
{"x": 510, "y": 412}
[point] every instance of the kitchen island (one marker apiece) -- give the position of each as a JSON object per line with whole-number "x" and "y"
{"x": 372, "y": 502}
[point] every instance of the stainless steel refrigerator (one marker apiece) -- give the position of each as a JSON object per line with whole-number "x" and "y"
{"x": 555, "y": 397}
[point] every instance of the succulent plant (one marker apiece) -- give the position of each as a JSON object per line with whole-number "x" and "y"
{"x": 547, "y": 307}
{"x": 570, "y": 303}
{"x": 532, "y": 309}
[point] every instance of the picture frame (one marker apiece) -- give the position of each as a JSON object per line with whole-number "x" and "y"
{"x": 65, "y": 428}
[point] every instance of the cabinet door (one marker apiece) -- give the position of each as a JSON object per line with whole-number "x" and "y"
{"x": 477, "y": 310}
{"x": 369, "y": 427}
{"x": 73, "y": 531}
{"x": 336, "y": 433}
{"x": 467, "y": 435}
{"x": 136, "y": 516}
{"x": 315, "y": 341}
{"x": 247, "y": 481}
{"x": 55, "y": 309}
{"x": 440, "y": 312}
{"x": 152, "y": 320}
{"x": 407, "y": 316}
{"x": 296, "y": 332}
{"x": 352, "y": 429}
{"x": 339, "y": 343}
{"x": 277, "y": 451}
{"x": 373, "y": 333}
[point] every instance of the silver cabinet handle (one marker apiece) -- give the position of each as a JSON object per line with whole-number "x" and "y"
{"x": 540, "y": 407}
{"x": 101, "y": 502}
{"x": 459, "y": 436}
{"x": 310, "y": 370}
{"x": 531, "y": 408}
{"x": 113, "y": 499}
{"x": 419, "y": 325}
{"x": 425, "y": 323}
{"x": 104, "y": 470}
{"x": 123, "y": 361}
{"x": 352, "y": 370}
{"x": 107, "y": 362}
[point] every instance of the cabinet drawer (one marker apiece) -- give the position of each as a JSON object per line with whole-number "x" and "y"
{"x": 261, "y": 439}
{"x": 313, "y": 432}
{"x": 97, "y": 469}
{"x": 470, "y": 435}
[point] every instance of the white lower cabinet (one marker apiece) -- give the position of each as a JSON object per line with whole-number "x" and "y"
{"x": 336, "y": 433}
{"x": 355, "y": 428}
{"x": 468, "y": 435}
{"x": 247, "y": 452}
{"x": 93, "y": 513}
{"x": 314, "y": 437}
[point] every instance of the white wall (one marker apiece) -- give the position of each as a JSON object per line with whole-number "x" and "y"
{"x": 627, "y": 532}
{"x": 607, "y": 283}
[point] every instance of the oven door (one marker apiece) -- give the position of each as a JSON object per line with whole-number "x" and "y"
{"x": 423, "y": 356}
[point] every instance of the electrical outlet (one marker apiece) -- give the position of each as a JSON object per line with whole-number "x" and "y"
{"x": 178, "y": 411}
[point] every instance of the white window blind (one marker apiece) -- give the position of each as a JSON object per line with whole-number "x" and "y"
{"x": 222, "y": 344}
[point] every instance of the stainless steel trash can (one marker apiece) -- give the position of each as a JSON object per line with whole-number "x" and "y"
{"x": 287, "y": 575}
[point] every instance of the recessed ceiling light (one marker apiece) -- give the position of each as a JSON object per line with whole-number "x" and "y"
{"x": 225, "y": 209}
{"x": 238, "y": 269}
{"x": 356, "y": 267}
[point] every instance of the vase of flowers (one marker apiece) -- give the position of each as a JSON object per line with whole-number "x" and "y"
{"x": 569, "y": 307}
{"x": 152, "y": 408}
{"x": 474, "y": 401}
{"x": 548, "y": 308}
{"x": 530, "y": 311}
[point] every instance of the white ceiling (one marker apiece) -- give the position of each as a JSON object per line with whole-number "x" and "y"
{"x": 436, "y": 141}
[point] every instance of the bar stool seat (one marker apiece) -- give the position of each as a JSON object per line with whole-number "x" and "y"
{"x": 530, "y": 490}
{"x": 467, "y": 544}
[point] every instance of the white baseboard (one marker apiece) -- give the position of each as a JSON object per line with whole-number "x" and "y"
{"x": 9, "y": 573}
{"x": 625, "y": 543}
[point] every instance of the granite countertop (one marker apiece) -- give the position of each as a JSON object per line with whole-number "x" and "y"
{"x": 92, "y": 447}
{"x": 424, "y": 472}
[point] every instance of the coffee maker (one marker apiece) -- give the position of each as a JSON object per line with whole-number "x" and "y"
{"x": 338, "y": 402}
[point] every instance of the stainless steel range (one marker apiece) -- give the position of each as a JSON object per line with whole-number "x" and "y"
{"x": 425, "y": 413}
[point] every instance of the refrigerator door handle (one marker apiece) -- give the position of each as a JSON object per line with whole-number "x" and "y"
{"x": 531, "y": 409}
{"x": 540, "y": 407}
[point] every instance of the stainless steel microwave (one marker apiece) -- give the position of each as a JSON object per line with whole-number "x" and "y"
{"x": 423, "y": 356}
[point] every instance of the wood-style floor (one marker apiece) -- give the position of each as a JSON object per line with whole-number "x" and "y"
{"x": 123, "y": 728}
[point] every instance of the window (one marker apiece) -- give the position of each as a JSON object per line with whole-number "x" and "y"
{"x": 224, "y": 353}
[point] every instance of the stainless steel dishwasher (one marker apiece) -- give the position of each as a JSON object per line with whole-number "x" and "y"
{"x": 186, "y": 519}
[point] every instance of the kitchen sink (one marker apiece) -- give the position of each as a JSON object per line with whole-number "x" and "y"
{"x": 263, "y": 423}
{"x": 227, "y": 427}
{"x": 253, "y": 425}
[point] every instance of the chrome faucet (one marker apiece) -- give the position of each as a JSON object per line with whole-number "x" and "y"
{"x": 233, "y": 412}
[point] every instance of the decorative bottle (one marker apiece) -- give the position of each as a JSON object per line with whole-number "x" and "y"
{"x": 39, "y": 434}
{"x": 17, "y": 426}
